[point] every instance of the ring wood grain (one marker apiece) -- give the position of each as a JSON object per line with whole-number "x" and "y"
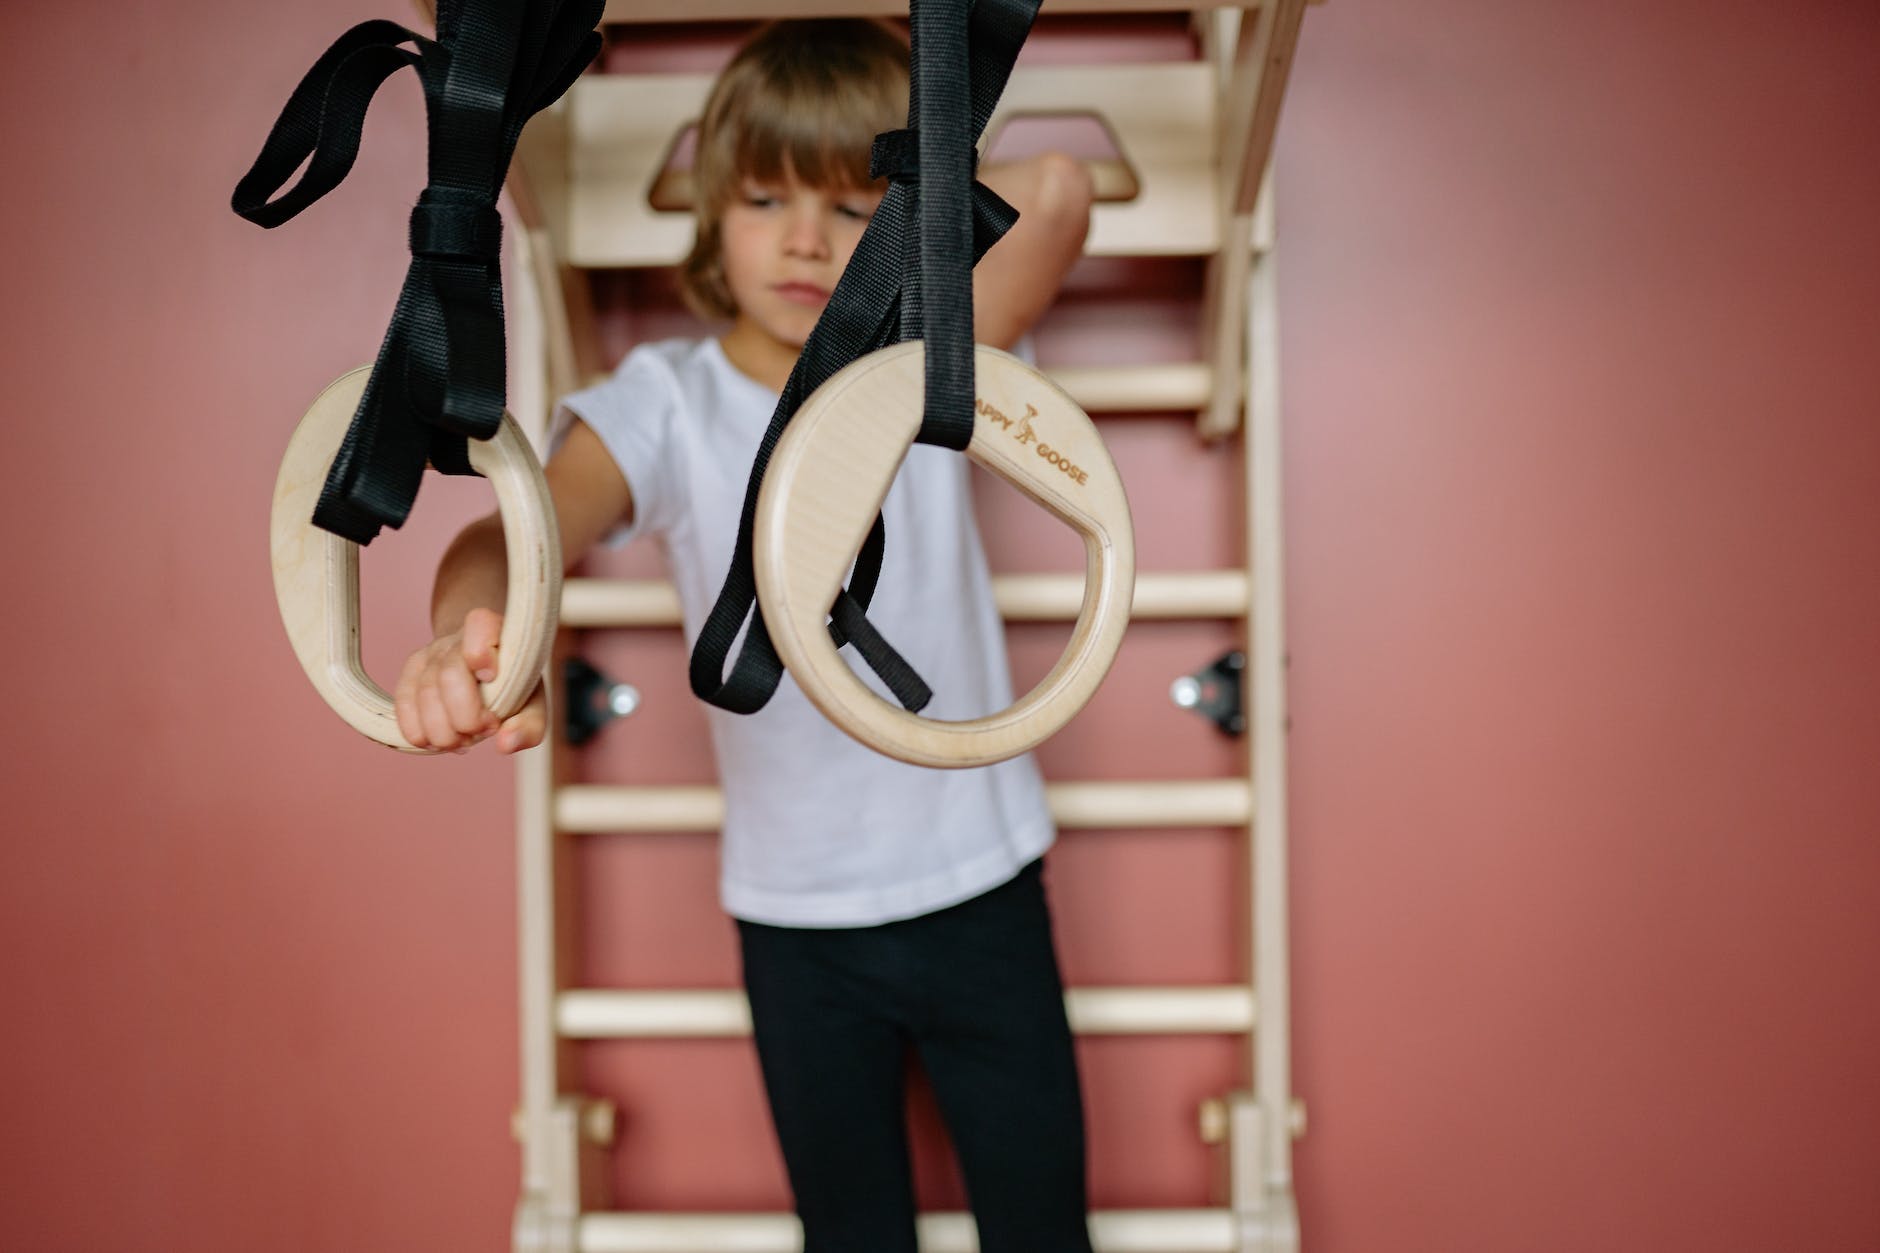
{"x": 316, "y": 574}
{"x": 826, "y": 481}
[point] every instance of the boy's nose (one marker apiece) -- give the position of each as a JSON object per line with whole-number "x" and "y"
{"x": 807, "y": 235}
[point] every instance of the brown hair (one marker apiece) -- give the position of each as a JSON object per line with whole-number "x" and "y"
{"x": 801, "y": 99}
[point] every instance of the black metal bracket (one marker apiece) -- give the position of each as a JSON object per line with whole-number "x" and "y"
{"x": 591, "y": 700}
{"x": 1214, "y": 692}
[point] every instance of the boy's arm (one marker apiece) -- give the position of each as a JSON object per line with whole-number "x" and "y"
{"x": 437, "y": 700}
{"x": 1019, "y": 277}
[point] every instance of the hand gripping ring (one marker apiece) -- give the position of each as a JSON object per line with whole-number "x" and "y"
{"x": 825, "y": 482}
{"x": 316, "y": 574}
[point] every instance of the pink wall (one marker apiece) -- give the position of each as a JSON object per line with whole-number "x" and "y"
{"x": 1584, "y": 516}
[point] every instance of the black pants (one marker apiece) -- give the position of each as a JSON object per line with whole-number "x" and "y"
{"x": 974, "y": 990}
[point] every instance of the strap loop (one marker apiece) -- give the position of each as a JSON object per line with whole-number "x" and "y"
{"x": 439, "y": 379}
{"x": 443, "y": 229}
{"x": 895, "y": 156}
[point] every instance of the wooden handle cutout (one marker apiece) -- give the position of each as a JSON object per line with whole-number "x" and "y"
{"x": 826, "y": 481}
{"x": 316, "y": 574}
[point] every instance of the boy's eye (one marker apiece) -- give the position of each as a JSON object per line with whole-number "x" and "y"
{"x": 857, "y": 210}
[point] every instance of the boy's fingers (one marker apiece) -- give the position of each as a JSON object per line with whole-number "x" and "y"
{"x": 405, "y": 702}
{"x": 482, "y": 630}
{"x": 463, "y": 703}
{"x": 527, "y": 727}
{"x": 438, "y": 731}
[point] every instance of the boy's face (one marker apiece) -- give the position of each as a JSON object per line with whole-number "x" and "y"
{"x": 785, "y": 244}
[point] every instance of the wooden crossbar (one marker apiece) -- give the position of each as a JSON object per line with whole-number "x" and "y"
{"x": 1020, "y": 597}
{"x": 606, "y": 809}
{"x": 692, "y": 1013}
{"x": 1111, "y": 1231}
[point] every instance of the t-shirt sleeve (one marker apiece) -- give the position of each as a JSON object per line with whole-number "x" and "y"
{"x": 633, "y": 414}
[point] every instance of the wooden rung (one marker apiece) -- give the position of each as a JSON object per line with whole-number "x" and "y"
{"x": 1021, "y": 598}
{"x": 604, "y": 809}
{"x": 622, "y": 129}
{"x": 1057, "y": 597}
{"x": 1177, "y": 388}
{"x": 1188, "y": 803}
{"x": 1111, "y": 1231}
{"x": 614, "y": 1014}
{"x": 624, "y": 1015}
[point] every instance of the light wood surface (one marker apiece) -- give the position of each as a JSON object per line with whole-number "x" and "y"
{"x": 1255, "y": 89}
{"x": 1162, "y": 118}
{"x": 825, "y": 483}
{"x": 316, "y": 574}
{"x": 1020, "y": 597}
{"x": 1111, "y": 1231}
{"x": 1144, "y": 388}
{"x": 696, "y": 1013}
{"x": 1261, "y": 1147}
{"x": 625, "y": 208}
{"x": 599, "y": 808}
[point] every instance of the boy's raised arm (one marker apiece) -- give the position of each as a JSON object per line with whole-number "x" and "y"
{"x": 1019, "y": 278}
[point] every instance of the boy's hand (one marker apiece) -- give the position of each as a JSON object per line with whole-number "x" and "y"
{"x": 438, "y": 702}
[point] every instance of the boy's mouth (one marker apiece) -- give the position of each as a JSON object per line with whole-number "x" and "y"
{"x": 807, "y": 294}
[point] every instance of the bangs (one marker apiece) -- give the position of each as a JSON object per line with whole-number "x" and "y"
{"x": 809, "y": 131}
{"x": 804, "y": 99}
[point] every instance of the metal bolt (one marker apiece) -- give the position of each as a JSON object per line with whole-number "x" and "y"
{"x": 1213, "y": 1121}
{"x": 1185, "y": 691}
{"x": 622, "y": 699}
{"x": 598, "y": 1121}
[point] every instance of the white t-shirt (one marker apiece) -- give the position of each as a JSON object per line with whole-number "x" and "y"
{"x": 820, "y": 831}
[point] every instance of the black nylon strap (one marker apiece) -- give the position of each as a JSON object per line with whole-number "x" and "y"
{"x": 960, "y": 64}
{"x": 944, "y": 277}
{"x": 439, "y": 379}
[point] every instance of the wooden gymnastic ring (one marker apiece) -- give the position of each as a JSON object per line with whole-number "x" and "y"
{"x": 825, "y": 483}
{"x": 316, "y": 574}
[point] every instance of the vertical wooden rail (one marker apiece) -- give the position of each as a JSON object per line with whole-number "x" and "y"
{"x": 1272, "y": 1046}
{"x": 551, "y": 344}
{"x": 536, "y": 1224}
{"x": 1252, "y": 86}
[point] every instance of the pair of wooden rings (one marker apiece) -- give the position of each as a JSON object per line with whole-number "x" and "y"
{"x": 825, "y": 483}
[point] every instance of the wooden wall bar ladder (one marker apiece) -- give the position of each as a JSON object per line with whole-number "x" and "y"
{"x": 1197, "y": 139}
